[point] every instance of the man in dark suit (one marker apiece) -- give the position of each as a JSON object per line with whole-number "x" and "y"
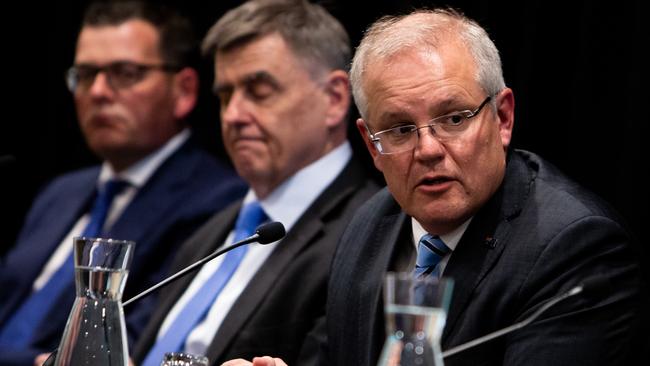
{"x": 437, "y": 119}
{"x": 133, "y": 87}
{"x": 284, "y": 93}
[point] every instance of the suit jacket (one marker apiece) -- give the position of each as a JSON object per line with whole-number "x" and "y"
{"x": 537, "y": 237}
{"x": 281, "y": 310}
{"x": 181, "y": 194}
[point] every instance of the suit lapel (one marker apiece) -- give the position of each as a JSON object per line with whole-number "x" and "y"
{"x": 156, "y": 197}
{"x": 259, "y": 286}
{"x": 484, "y": 241}
{"x": 381, "y": 250}
{"x": 301, "y": 234}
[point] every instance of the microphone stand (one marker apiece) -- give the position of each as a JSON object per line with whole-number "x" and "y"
{"x": 189, "y": 268}
{"x": 588, "y": 286}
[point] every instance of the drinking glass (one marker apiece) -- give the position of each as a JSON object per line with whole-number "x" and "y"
{"x": 415, "y": 311}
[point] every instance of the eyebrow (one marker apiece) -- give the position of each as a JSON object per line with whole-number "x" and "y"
{"x": 452, "y": 101}
{"x": 250, "y": 79}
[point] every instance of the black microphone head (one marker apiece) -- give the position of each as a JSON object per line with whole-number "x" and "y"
{"x": 270, "y": 232}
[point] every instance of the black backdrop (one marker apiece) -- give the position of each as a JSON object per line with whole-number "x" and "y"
{"x": 576, "y": 69}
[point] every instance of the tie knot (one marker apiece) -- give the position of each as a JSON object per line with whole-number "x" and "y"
{"x": 113, "y": 187}
{"x": 431, "y": 250}
{"x": 433, "y": 243}
{"x": 250, "y": 217}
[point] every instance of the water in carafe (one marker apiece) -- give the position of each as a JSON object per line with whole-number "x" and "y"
{"x": 96, "y": 333}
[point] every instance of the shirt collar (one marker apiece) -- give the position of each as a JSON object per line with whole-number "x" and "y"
{"x": 450, "y": 239}
{"x": 290, "y": 200}
{"x": 139, "y": 173}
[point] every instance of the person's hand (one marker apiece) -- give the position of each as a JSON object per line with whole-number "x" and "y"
{"x": 40, "y": 359}
{"x": 257, "y": 361}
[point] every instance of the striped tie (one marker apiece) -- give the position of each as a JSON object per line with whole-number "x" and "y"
{"x": 431, "y": 250}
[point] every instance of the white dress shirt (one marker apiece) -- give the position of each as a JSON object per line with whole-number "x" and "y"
{"x": 137, "y": 175}
{"x": 285, "y": 204}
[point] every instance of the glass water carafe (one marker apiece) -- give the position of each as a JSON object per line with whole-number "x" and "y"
{"x": 415, "y": 312}
{"x": 96, "y": 333}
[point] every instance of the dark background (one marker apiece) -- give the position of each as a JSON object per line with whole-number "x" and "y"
{"x": 576, "y": 69}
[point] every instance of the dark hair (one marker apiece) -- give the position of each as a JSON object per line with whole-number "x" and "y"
{"x": 311, "y": 32}
{"x": 178, "y": 45}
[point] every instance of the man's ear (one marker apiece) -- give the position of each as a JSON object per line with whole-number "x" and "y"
{"x": 362, "y": 127}
{"x": 186, "y": 90}
{"x": 505, "y": 102}
{"x": 337, "y": 88}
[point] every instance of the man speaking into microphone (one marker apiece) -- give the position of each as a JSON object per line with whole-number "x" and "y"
{"x": 280, "y": 75}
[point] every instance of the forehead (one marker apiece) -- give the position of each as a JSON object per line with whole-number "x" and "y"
{"x": 269, "y": 53}
{"x": 132, "y": 40}
{"x": 420, "y": 80}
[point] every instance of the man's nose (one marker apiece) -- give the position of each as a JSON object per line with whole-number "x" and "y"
{"x": 100, "y": 86}
{"x": 428, "y": 145}
{"x": 234, "y": 110}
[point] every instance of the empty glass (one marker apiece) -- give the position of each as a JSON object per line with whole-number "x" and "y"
{"x": 415, "y": 310}
{"x": 95, "y": 333}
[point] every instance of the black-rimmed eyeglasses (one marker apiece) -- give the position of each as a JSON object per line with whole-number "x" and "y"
{"x": 120, "y": 74}
{"x": 405, "y": 137}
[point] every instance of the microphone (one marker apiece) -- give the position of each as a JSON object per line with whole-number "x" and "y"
{"x": 264, "y": 234}
{"x": 589, "y": 286}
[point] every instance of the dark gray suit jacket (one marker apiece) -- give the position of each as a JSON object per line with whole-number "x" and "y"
{"x": 539, "y": 236}
{"x": 281, "y": 311}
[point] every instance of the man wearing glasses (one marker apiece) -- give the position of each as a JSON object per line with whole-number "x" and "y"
{"x": 509, "y": 229}
{"x": 133, "y": 86}
{"x": 437, "y": 119}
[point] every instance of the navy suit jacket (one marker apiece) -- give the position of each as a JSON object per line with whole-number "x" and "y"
{"x": 181, "y": 194}
{"x": 537, "y": 237}
{"x": 281, "y": 311}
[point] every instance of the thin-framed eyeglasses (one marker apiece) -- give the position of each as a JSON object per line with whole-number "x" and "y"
{"x": 405, "y": 137}
{"x": 119, "y": 74}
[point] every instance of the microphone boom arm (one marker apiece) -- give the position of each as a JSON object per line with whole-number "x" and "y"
{"x": 488, "y": 337}
{"x": 190, "y": 268}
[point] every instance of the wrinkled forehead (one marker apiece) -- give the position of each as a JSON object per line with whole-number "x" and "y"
{"x": 416, "y": 75}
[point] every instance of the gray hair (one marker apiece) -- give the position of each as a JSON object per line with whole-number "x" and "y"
{"x": 390, "y": 35}
{"x": 310, "y": 31}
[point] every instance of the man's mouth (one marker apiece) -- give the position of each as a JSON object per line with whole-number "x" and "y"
{"x": 435, "y": 181}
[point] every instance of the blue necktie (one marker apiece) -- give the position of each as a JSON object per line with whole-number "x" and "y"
{"x": 24, "y": 323}
{"x": 197, "y": 308}
{"x": 431, "y": 250}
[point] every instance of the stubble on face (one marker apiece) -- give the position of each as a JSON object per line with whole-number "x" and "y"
{"x": 124, "y": 125}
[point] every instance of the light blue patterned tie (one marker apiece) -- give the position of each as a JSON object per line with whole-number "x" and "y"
{"x": 431, "y": 250}
{"x": 250, "y": 217}
{"x": 21, "y": 327}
